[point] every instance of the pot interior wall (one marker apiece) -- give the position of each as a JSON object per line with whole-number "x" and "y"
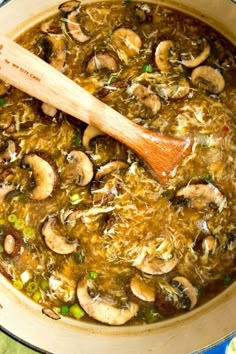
{"x": 187, "y": 333}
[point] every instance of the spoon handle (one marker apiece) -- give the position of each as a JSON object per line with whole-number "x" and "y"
{"x": 27, "y": 72}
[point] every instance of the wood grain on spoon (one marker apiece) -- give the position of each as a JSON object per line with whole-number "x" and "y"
{"x": 32, "y": 75}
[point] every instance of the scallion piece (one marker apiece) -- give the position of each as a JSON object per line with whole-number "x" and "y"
{"x": 2, "y": 222}
{"x": 12, "y": 218}
{"x": 19, "y": 224}
{"x": 76, "y": 311}
{"x": 93, "y": 275}
{"x": 77, "y": 139}
{"x": 2, "y": 101}
{"x": 18, "y": 284}
{"x": 64, "y": 310}
{"x": 227, "y": 280}
{"x": 29, "y": 233}
{"x": 75, "y": 198}
{"x": 31, "y": 287}
{"x": 44, "y": 284}
{"x": 147, "y": 68}
{"x": 36, "y": 296}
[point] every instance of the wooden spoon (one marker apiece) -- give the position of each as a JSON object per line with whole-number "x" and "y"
{"x": 32, "y": 75}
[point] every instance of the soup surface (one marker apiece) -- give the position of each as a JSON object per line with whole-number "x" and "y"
{"x": 86, "y": 230}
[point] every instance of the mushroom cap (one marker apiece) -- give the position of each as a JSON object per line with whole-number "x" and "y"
{"x": 90, "y": 133}
{"x": 44, "y": 173}
{"x": 208, "y": 78}
{"x": 162, "y": 54}
{"x": 74, "y": 29}
{"x": 56, "y": 242}
{"x": 110, "y": 167}
{"x": 79, "y": 169}
{"x": 100, "y": 61}
{"x": 201, "y": 195}
{"x": 184, "y": 286}
{"x": 103, "y": 309}
{"x": 192, "y": 63}
{"x": 126, "y": 41}
{"x": 141, "y": 290}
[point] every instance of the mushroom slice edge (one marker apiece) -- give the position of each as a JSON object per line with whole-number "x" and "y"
{"x": 101, "y": 309}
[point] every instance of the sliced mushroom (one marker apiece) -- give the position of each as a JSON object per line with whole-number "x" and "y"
{"x": 5, "y": 188}
{"x": 56, "y": 242}
{"x": 104, "y": 91}
{"x": 69, "y": 6}
{"x": 90, "y": 133}
{"x": 79, "y": 170}
{"x": 127, "y": 42}
{"x": 8, "y": 152}
{"x": 143, "y": 13}
{"x": 53, "y": 51}
{"x": 201, "y": 195}
{"x": 141, "y": 290}
{"x": 12, "y": 241}
{"x": 147, "y": 98}
{"x": 48, "y": 110}
{"x": 6, "y": 120}
{"x": 208, "y": 78}
{"x": 192, "y": 63}
{"x": 50, "y": 27}
{"x": 162, "y": 55}
{"x": 100, "y": 61}
{"x": 174, "y": 89}
{"x": 110, "y": 167}
{"x": 44, "y": 174}
{"x": 163, "y": 261}
{"x": 50, "y": 313}
{"x": 74, "y": 29}
{"x": 187, "y": 291}
{"x": 103, "y": 309}
{"x": 154, "y": 265}
{"x": 4, "y": 87}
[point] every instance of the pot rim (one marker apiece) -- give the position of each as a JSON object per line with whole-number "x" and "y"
{"x": 186, "y": 333}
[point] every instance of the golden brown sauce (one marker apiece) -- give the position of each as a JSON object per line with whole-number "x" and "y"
{"x": 128, "y": 226}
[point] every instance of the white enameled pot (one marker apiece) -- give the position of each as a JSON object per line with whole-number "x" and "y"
{"x": 185, "y": 334}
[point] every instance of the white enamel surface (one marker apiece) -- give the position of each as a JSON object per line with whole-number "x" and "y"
{"x": 185, "y": 334}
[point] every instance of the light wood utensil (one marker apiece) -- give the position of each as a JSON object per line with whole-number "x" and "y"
{"x": 27, "y": 72}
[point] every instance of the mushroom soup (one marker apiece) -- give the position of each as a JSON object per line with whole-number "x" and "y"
{"x": 86, "y": 229}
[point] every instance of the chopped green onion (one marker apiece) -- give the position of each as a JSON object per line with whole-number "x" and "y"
{"x": 1, "y": 248}
{"x": 208, "y": 177}
{"x": 111, "y": 79}
{"x": 166, "y": 194}
{"x": 120, "y": 279}
{"x": 31, "y": 287}
{"x": 227, "y": 280}
{"x": 18, "y": 284}
{"x": 150, "y": 315}
{"x": 36, "y": 296}
{"x": 21, "y": 197}
{"x": 93, "y": 275}
{"x": 75, "y": 199}
{"x": 2, "y": 101}
{"x": 76, "y": 311}
{"x": 147, "y": 68}
{"x": 12, "y": 218}
{"x": 2, "y": 222}
{"x": 77, "y": 139}
{"x": 79, "y": 257}
{"x": 19, "y": 224}
{"x": 44, "y": 284}
{"x": 64, "y": 310}
{"x": 29, "y": 233}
